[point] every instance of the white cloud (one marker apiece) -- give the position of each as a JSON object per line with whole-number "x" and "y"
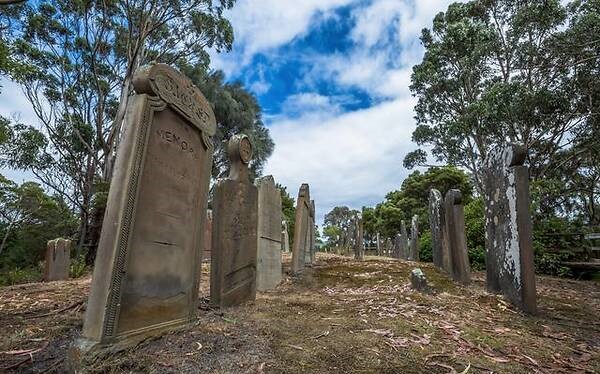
{"x": 351, "y": 159}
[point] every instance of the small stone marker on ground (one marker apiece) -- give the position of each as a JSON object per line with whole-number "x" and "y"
{"x": 302, "y": 227}
{"x": 509, "y": 261}
{"x": 418, "y": 280}
{"x": 455, "y": 229}
{"x": 58, "y": 260}
{"x": 235, "y": 225}
{"x": 285, "y": 237}
{"x": 268, "y": 266}
{"x": 414, "y": 238}
{"x": 146, "y": 273}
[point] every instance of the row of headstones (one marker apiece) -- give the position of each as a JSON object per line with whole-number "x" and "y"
{"x": 403, "y": 246}
{"x": 509, "y": 242}
{"x": 147, "y": 269}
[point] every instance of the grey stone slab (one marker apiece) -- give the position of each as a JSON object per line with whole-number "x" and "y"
{"x": 403, "y": 242}
{"x": 302, "y": 227}
{"x": 268, "y": 268}
{"x": 414, "y": 239}
{"x": 146, "y": 273}
{"x": 57, "y": 260}
{"x": 359, "y": 243}
{"x": 509, "y": 242}
{"x": 285, "y": 237}
{"x": 457, "y": 241}
{"x": 437, "y": 226}
{"x": 207, "y": 237}
{"x": 235, "y": 230}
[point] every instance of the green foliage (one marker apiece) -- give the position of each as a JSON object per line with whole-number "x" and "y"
{"x": 288, "y": 210}
{"x": 339, "y": 226}
{"x": 19, "y": 275}
{"x": 78, "y": 267}
{"x": 475, "y": 232}
{"x": 425, "y": 247}
{"x": 413, "y": 198}
{"x": 518, "y": 71}
{"x": 28, "y": 219}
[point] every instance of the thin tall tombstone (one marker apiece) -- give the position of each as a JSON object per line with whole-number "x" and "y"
{"x": 301, "y": 229}
{"x": 403, "y": 246}
{"x": 268, "y": 266}
{"x": 455, "y": 229}
{"x": 509, "y": 260}
{"x": 414, "y": 238}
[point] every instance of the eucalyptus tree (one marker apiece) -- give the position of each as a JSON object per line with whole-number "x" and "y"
{"x": 490, "y": 74}
{"x": 81, "y": 57}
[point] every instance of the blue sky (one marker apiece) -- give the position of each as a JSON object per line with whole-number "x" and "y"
{"x": 332, "y": 78}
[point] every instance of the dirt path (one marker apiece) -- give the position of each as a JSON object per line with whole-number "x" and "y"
{"x": 342, "y": 316}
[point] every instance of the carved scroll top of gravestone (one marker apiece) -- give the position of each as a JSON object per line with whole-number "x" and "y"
{"x": 239, "y": 150}
{"x": 179, "y": 92}
{"x": 511, "y": 155}
{"x": 455, "y": 197}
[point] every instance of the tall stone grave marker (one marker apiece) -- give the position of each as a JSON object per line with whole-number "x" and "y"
{"x": 359, "y": 243}
{"x": 378, "y": 244}
{"x": 146, "y": 273}
{"x": 268, "y": 265}
{"x": 235, "y": 225}
{"x": 58, "y": 260}
{"x": 438, "y": 226}
{"x": 285, "y": 237}
{"x": 509, "y": 266}
{"x": 403, "y": 247}
{"x": 207, "y": 238}
{"x": 414, "y": 238}
{"x": 302, "y": 227}
{"x": 455, "y": 229}
{"x": 312, "y": 250}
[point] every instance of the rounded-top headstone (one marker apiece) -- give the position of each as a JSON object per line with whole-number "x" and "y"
{"x": 240, "y": 148}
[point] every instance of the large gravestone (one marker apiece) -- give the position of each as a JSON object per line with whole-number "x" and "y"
{"x": 285, "y": 237}
{"x": 302, "y": 227}
{"x": 235, "y": 224}
{"x": 207, "y": 238}
{"x": 58, "y": 260}
{"x": 414, "y": 238}
{"x": 457, "y": 241}
{"x": 397, "y": 247}
{"x": 146, "y": 272}
{"x": 268, "y": 265}
{"x": 509, "y": 261}
{"x": 437, "y": 227}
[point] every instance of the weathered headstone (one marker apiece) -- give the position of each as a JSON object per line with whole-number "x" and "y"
{"x": 302, "y": 227}
{"x": 418, "y": 280}
{"x": 235, "y": 224}
{"x": 58, "y": 260}
{"x": 312, "y": 239}
{"x": 268, "y": 266}
{"x": 403, "y": 247}
{"x": 207, "y": 238}
{"x": 414, "y": 238}
{"x": 437, "y": 226}
{"x": 509, "y": 260}
{"x": 285, "y": 237}
{"x": 457, "y": 241}
{"x": 396, "y": 251}
{"x": 146, "y": 272}
{"x": 378, "y": 245}
{"x": 359, "y": 243}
